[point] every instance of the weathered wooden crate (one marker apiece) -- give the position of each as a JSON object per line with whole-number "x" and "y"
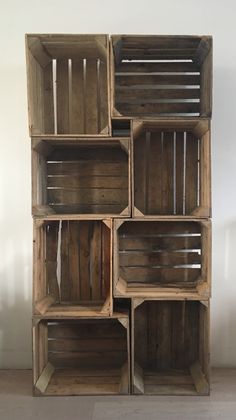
{"x": 161, "y": 76}
{"x": 72, "y": 268}
{"x": 171, "y": 168}
{"x": 89, "y": 177}
{"x": 162, "y": 259}
{"x": 68, "y": 84}
{"x": 170, "y": 347}
{"x": 82, "y": 357}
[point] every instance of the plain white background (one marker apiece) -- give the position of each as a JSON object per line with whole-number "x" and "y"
{"x": 102, "y": 16}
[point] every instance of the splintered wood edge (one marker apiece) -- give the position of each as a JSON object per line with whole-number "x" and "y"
{"x": 43, "y": 304}
{"x": 45, "y": 377}
{"x": 138, "y": 382}
{"x": 124, "y": 379}
{"x": 200, "y": 382}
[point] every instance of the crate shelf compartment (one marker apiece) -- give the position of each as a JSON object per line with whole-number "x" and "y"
{"x": 170, "y": 347}
{"x": 68, "y": 84}
{"x": 162, "y": 259}
{"x": 155, "y": 76}
{"x": 89, "y": 177}
{"x": 72, "y": 268}
{"x": 171, "y": 168}
{"x": 81, "y": 357}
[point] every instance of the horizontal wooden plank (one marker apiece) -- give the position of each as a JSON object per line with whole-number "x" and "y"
{"x": 86, "y": 329}
{"x": 126, "y": 95}
{"x": 156, "y": 258}
{"x": 147, "y": 53}
{"x": 87, "y": 209}
{"x": 146, "y": 274}
{"x": 161, "y": 79}
{"x": 87, "y": 345}
{"x": 150, "y": 228}
{"x": 90, "y": 153}
{"x": 87, "y": 168}
{"x": 157, "y": 67}
{"x": 90, "y": 359}
{"x": 159, "y": 108}
{"x": 102, "y": 182}
{"x": 160, "y": 243}
{"x": 161, "y": 41}
{"x": 87, "y": 196}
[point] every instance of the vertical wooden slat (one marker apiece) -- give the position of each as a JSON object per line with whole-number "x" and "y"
{"x": 74, "y": 275}
{"x": 95, "y": 250}
{"x": 51, "y": 259}
{"x": 43, "y": 345}
{"x": 48, "y": 100}
{"x": 65, "y": 268}
{"x": 103, "y": 93}
{"x": 62, "y": 96}
{"x": 141, "y": 335}
{"x": 155, "y": 173}
{"x": 163, "y": 327}
{"x": 179, "y": 172}
{"x": 91, "y": 97}
{"x": 105, "y": 245}
{"x": 167, "y": 177}
{"x": 191, "y": 173}
{"x": 178, "y": 335}
{"x": 191, "y": 332}
{"x": 140, "y": 172}
{"x": 84, "y": 260}
{"x": 77, "y": 97}
{"x": 151, "y": 315}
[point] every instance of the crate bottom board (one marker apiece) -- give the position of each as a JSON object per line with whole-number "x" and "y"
{"x": 169, "y": 382}
{"x": 77, "y": 310}
{"x": 84, "y": 382}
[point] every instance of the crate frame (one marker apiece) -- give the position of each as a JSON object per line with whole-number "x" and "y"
{"x": 143, "y": 379}
{"x": 201, "y": 131}
{"x": 43, "y": 370}
{"x": 202, "y": 58}
{"x": 202, "y": 289}
{"x": 40, "y": 149}
{"x": 47, "y": 294}
{"x": 41, "y": 50}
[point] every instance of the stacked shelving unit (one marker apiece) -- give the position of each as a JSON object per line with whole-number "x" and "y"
{"x": 121, "y": 202}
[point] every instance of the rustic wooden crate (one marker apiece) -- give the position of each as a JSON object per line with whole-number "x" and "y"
{"x": 162, "y": 258}
{"x": 89, "y": 177}
{"x": 161, "y": 76}
{"x": 68, "y": 84}
{"x": 170, "y": 347}
{"x": 81, "y": 357}
{"x": 171, "y": 168}
{"x": 72, "y": 268}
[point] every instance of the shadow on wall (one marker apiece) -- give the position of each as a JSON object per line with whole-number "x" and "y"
{"x": 223, "y": 315}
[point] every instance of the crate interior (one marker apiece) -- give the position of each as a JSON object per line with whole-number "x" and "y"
{"x": 88, "y": 356}
{"x": 67, "y": 84}
{"x": 77, "y": 266}
{"x": 162, "y": 75}
{"x": 85, "y": 178}
{"x": 170, "y": 348}
{"x": 169, "y": 164}
{"x": 155, "y": 255}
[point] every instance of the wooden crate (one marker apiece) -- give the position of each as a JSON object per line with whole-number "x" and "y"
{"x": 171, "y": 168}
{"x": 170, "y": 347}
{"x": 88, "y": 356}
{"x": 168, "y": 259}
{"x": 153, "y": 76}
{"x": 72, "y": 268}
{"x": 82, "y": 176}
{"x": 68, "y": 84}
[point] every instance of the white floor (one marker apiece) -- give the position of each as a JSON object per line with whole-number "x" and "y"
{"x": 17, "y": 403}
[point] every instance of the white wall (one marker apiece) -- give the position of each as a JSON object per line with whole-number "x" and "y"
{"x": 103, "y": 16}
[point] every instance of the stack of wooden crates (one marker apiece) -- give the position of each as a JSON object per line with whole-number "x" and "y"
{"x": 120, "y": 131}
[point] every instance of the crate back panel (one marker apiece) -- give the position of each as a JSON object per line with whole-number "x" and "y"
{"x": 68, "y": 84}
{"x": 162, "y": 76}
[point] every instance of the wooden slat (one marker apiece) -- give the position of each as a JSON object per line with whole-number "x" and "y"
{"x": 86, "y": 329}
{"x": 179, "y": 172}
{"x": 167, "y": 175}
{"x": 178, "y": 360}
{"x": 87, "y": 168}
{"x": 160, "y": 243}
{"x": 88, "y": 359}
{"x": 160, "y": 79}
{"x": 65, "y": 268}
{"x": 91, "y": 345}
{"x": 199, "y": 379}
{"x": 106, "y": 260}
{"x": 159, "y": 108}
{"x": 152, "y": 228}
{"x": 87, "y": 196}
{"x": 147, "y": 95}
{"x": 73, "y": 284}
{"x": 156, "y": 258}
{"x": 77, "y": 100}
{"x": 62, "y": 96}
{"x": 140, "y": 174}
{"x": 103, "y": 96}
{"x": 101, "y": 209}
{"x": 48, "y": 100}
{"x": 164, "y": 340}
{"x": 44, "y": 379}
{"x": 91, "y": 99}
{"x": 163, "y": 275}
{"x": 77, "y": 181}
{"x": 51, "y": 259}
{"x": 157, "y": 67}
{"x": 84, "y": 260}
{"x": 96, "y": 269}
{"x": 155, "y": 173}
{"x": 191, "y": 173}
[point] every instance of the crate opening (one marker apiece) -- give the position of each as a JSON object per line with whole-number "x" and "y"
{"x": 170, "y": 350}
{"x": 85, "y": 178}
{"x": 162, "y": 76}
{"x": 85, "y": 357}
{"x": 120, "y": 128}
{"x": 69, "y": 76}
{"x": 77, "y": 269}
{"x": 171, "y": 168}
{"x": 161, "y": 257}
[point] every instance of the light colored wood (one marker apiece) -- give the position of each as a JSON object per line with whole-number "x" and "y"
{"x": 138, "y": 384}
{"x": 44, "y": 379}
{"x": 199, "y": 380}
{"x": 43, "y": 304}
